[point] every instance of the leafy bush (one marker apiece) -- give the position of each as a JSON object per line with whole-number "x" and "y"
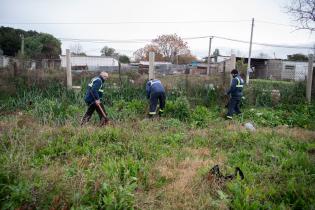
{"x": 118, "y": 192}
{"x": 259, "y": 92}
{"x": 179, "y": 108}
{"x": 301, "y": 115}
{"x": 200, "y": 116}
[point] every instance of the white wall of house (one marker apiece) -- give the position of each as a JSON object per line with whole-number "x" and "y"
{"x": 91, "y": 61}
{"x": 294, "y": 70}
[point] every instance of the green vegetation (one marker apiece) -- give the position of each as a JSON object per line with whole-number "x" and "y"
{"x": 47, "y": 161}
{"x": 37, "y": 45}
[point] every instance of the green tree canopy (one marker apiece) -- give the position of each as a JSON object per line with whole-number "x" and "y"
{"x": 297, "y": 57}
{"x": 108, "y": 51}
{"x": 37, "y": 45}
{"x": 124, "y": 59}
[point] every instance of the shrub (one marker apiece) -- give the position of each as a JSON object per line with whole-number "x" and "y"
{"x": 179, "y": 108}
{"x": 200, "y": 116}
{"x": 259, "y": 92}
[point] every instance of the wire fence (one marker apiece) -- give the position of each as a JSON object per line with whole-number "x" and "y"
{"x": 192, "y": 79}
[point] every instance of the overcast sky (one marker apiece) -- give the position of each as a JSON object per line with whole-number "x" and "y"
{"x": 187, "y": 12}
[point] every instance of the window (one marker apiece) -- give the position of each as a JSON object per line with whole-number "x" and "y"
{"x": 289, "y": 67}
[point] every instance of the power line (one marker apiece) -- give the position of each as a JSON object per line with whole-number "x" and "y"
{"x": 247, "y": 42}
{"x": 124, "y": 22}
{"x": 274, "y": 23}
{"x": 144, "y": 22}
{"x": 137, "y": 41}
{"x": 265, "y": 44}
{"x": 105, "y": 40}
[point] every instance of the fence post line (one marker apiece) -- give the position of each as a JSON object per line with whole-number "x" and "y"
{"x": 309, "y": 78}
{"x": 223, "y": 75}
{"x": 69, "y": 76}
{"x": 209, "y": 56}
{"x": 151, "y": 65}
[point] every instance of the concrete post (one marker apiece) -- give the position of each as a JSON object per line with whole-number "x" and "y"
{"x": 209, "y": 56}
{"x": 22, "y": 45}
{"x": 69, "y": 76}
{"x": 233, "y": 62}
{"x": 309, "y": 78}
{"x": 151, "y": 65}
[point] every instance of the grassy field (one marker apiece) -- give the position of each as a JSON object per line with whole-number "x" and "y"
{"x": 48, "y": 162}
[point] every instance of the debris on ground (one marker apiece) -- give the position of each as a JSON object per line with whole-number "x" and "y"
{"x": 249, "y": 126}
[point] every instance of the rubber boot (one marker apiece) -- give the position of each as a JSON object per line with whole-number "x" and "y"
{"x": 104, "y": 121}
{"x": 85, "y": 119}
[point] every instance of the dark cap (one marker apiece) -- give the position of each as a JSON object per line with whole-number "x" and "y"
{"x": 234, "y": 71}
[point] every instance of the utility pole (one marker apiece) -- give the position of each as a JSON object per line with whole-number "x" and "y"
{"x": 250, "y": 52}
{"x": 310, "y": 77}
{"x": 22, "y": 44}
{"x": 209, "y": 54}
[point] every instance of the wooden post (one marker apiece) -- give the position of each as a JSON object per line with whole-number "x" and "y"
{"x": 250, "y": 52}
{"x": 119, "y": 72}
{"x": 223, "y": 76}
{"x": 309, "y": 78}
{"x": 151, "y": 65}
{"x": 22, "y": 44}
{"x": 209, "y": 56}
{"x": 69, "y": 76}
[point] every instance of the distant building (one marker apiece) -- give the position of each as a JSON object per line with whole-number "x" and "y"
{"x": 264, "y": 68}
{"x": 93, "y": 63}
{"x": 160, "y": 67}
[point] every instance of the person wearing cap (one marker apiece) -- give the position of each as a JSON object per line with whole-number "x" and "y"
{"x": 236, "y": 93}
{"x": 156, "y": 93}
{"x": 93, "y": 97}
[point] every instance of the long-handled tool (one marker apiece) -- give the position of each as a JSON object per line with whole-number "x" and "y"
{"x": 100, "y": 108}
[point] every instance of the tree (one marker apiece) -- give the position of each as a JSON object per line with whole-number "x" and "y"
{"x": 10, "y": 39}
{"x": 51, "y": 46}
{"x": 166, "y": 48}
{"x": 37, "y": 45}
{"x": 42, "y": 46}
{"x": 186, "y": 59}
{"x": 124, "y": 59}
{"x": 33, "y": 47}
{"x": 77, "y": 49}
{"x": 303, "y": 12}
{"x": 108, "y": 51}
{"x": 171, "y": 46}
{"x": 143, "y": 53}
{"x": 297, "y": 57}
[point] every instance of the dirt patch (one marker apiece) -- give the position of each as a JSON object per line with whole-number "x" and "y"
{"x": 296, "y": 133}
{"x": 180, "y": 190}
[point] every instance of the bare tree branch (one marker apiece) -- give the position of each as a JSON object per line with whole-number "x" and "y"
{"x": 303, "y": 12}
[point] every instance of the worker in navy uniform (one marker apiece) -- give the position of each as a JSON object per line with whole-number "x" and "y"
{"x": 236, "y": 94}
{"x": 93, "y": 97}
{"x": 156, "y": 93}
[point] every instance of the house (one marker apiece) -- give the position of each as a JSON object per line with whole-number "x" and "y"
{"x": 286, "y": 70}
{"x": 160, "y": 67}
{"x": 264, "y": 68}
{"x": 93, "y": 63}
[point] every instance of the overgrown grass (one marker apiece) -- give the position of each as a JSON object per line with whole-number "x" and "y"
{"x": 48, "y": 162}
{"x": 128, "y": 164}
